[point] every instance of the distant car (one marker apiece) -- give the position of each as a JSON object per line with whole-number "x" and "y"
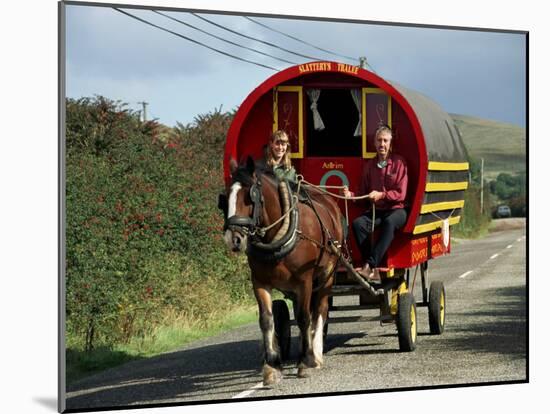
{"x": 503, "y": 211}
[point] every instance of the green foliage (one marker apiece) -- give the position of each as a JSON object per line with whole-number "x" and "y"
{"x": 508, "y": 186}
{"x": 511, "y": 190}
{"x": 473, "y": 223}
{"x": 518, "y": 206}
{"x": 143, "y": 230}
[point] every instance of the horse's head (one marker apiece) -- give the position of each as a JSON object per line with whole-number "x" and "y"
{"x": 242, "y": 204}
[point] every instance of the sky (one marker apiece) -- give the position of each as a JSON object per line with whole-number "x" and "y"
{"x": 477, "y": 73}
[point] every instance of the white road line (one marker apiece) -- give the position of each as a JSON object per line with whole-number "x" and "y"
{"x": 463, "y": 275}
{"x": 249, "y": 391}
{"x": 520, "y": 239}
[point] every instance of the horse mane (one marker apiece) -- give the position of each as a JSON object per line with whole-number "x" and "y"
{"x": 246, "y": 178}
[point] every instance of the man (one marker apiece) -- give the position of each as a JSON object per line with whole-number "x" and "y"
{"x": 384, "y": 182}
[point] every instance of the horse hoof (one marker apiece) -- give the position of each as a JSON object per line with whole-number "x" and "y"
{"x": 271, "y": 380}
{"x": 303, "y": 372}
{"x": 271, "y": 376}
{"x": 311, "y": 362}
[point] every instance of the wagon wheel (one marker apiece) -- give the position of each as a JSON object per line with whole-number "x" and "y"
{"x": 406, "y": 322}
{"x": 436, "y": 308}
{"x": 281, "y": 319}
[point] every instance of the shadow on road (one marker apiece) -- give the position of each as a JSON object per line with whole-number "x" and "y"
{"x": 194, "y": 373}
{"x": 500, "y": 326}
{"x": 197, "y": 371}
{"x": 497, "y": 325}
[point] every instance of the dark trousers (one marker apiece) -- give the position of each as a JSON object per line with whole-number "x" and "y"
{"x": 388, "y": 221}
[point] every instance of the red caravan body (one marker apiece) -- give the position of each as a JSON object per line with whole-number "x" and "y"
{"x": 423, "y": 134}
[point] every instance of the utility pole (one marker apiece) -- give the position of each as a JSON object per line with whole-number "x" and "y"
{"x": 481, "y": 186}
{"x": 144, "y": 104}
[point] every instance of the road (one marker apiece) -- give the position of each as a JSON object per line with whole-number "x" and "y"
{"x": 485, "y": 340}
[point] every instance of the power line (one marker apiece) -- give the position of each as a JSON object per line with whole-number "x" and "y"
{"x": 222, "y": 39}
{"x": 194, "y": 41}
{"x": 253, "y": 38}
{"x": 299, "y": 40}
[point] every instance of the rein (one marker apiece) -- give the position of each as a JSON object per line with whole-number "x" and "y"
{"x": 322, "y": 188}
{"x": 250, "y": 226}
{"x": 261, "y": 231}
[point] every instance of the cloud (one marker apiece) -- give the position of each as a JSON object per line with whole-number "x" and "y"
{"x": 102, "y": 41}
{"x": 469, "y": 72}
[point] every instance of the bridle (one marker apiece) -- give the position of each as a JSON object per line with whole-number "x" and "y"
{"x": 284, "y": 240}
{"x": 246, "y": 225}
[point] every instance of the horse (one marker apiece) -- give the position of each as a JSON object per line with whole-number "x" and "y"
{"x": 287, "y": 244}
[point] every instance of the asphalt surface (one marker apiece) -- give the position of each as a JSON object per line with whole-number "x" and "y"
{"x": 485, "y": 341}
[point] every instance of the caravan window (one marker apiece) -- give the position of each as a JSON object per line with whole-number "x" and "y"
{"x": 333, "y": 123}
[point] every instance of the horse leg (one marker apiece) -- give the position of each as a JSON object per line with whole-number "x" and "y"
{"x": 303, "y": 317}
{"x": 272, "y": 358}
{"x": 320, "y": 316}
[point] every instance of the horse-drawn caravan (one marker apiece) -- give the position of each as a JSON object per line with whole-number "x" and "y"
{"x": 298, "y": 243}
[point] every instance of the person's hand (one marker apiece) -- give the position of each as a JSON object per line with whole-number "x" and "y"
{"x": 346, "y": 192}
{"x": 375, "y": 196}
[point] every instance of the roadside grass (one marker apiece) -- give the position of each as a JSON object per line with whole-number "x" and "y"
{"x": 165, "y": 338}
{"x": 461, "y": 233}
{"x": 473, "y": 225}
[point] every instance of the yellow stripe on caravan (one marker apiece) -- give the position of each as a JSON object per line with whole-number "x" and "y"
{"x": 448, "y": 166}
{"x": 422, "y": 228}
{"x": 445, "y": 205}
{"x": 447, "y": 186}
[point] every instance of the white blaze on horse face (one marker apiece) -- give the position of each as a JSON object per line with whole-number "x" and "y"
{"x": 231, "y": 211}
{"x": 232, "y": 207}
{"x": 318, "y": 340}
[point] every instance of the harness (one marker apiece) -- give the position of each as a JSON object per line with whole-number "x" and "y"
{"x": 248, "y": 226}
{"x": 251, "y": 227}
{"x": 278, "y": 248}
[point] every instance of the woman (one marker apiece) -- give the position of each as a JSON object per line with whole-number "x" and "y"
{"x": 384, "y": 182}
{"x": 277, "y": 157}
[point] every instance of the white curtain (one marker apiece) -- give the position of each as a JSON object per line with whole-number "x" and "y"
{"x": 356, "y": 95}
{"x": 314, "y": 97}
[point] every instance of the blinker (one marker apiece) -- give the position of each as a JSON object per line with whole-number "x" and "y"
{"x": 246, "y": 225}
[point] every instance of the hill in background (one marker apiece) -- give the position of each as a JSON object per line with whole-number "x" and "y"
{"x": 502, "y": 145}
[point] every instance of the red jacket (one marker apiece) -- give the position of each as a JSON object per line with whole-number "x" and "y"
{"x": 391, "y": 180}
